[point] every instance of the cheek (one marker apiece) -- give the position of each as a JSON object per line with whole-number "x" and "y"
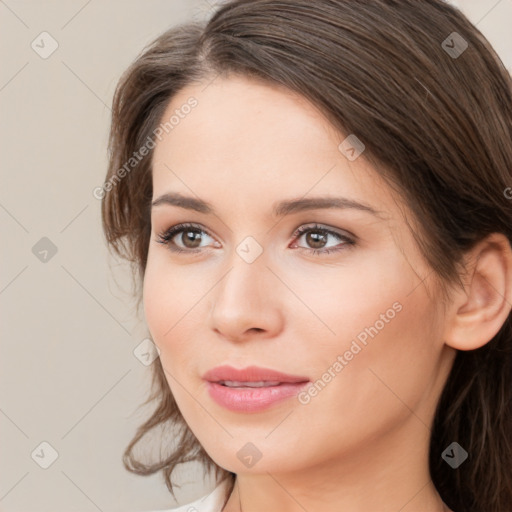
{"x": 365, "y": 295}
{"x": 174, "y": 300}
{"x": 166, "y": 300}
{"x": 167, "y": 306}
{"x": 382, "y": 356}
{"x": 374, "y": 312}
{"x": 157, "y": 300}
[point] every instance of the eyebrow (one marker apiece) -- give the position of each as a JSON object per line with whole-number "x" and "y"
{"x": 279, "y": 209}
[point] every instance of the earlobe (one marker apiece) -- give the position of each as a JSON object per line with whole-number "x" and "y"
{"x": 478, "y": 311}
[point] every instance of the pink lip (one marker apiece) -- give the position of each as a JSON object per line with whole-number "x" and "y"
{"x": 245, "y": 399}
{"x": 250, "y": 374}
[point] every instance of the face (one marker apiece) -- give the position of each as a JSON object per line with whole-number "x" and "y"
{"x": 264, "y": 273}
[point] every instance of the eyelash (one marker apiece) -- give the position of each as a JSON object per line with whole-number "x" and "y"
{"x": 166, "y": 237}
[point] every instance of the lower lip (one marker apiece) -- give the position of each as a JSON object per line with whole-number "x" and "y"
{"x": 252, "y": 399}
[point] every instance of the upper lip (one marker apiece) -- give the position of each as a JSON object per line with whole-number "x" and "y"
{"x": 249, "y": 374}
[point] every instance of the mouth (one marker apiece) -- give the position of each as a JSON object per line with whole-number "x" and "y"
{"x": 238, "y": 384}
{"x": 251, "y": 389}
{"x": 251, "y": 375}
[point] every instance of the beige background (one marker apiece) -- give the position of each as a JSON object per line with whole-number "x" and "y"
{"x": 68, "y": 373}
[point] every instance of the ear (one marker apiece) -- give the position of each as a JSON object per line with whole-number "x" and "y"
{"x": 478, "y": 311}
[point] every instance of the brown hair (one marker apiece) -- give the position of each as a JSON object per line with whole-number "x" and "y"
{"x": 436, "y": 124}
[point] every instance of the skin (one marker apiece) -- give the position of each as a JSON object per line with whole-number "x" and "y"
{"x": 361, "y": 444}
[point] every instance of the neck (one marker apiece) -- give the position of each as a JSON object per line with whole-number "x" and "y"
{"x": 387, "y": 476}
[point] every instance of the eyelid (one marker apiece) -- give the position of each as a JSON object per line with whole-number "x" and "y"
{"x": 343, "y": 233}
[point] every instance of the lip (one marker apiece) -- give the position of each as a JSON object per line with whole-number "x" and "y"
{"x": 245, "y": 399}
{"x": 250, "y": 374}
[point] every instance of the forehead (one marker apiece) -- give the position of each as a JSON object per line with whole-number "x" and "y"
{"x": 251, "y": 142}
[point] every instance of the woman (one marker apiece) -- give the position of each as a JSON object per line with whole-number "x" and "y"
{"x": 314, "y": 195}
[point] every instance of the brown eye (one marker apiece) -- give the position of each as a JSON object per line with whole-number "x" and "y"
{"x": 317, "y": 238}
{"x": 191, "y": 238}
{"x": 184, "y": 238}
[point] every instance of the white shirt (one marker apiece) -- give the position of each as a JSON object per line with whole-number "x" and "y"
{"x": 212, "y": 502}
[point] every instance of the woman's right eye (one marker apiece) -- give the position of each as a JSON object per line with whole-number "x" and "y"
{"x": 188, "y": 235}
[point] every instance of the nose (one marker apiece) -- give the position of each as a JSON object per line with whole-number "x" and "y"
{"x": 246, "y": 302}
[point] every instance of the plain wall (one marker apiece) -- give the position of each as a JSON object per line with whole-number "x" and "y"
{"x": 68, "y": 373}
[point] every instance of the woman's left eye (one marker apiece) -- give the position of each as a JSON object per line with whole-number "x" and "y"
{"x": 317, "y": 236}
{"x": 192, "y": 236}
